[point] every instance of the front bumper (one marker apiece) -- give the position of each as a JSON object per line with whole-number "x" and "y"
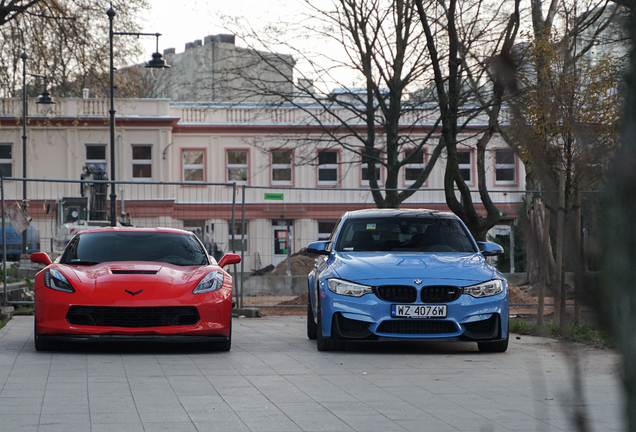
{"x": 369, "y": 318}
{"x": 132, "y": 338}
{"x": 52, "y": 317}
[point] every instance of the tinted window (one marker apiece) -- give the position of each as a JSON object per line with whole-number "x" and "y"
{"x": 405, "y": 234}
{"x": 180, "y": 249}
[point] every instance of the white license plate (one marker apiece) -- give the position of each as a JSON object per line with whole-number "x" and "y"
{"x": 418, "y": 311}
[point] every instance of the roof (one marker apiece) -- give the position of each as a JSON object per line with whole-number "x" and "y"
{"x": 137, "y": 230}
{"x": 399, "y": 213}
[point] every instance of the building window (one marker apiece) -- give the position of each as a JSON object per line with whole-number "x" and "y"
{"x": 378, "y": 169}
{"x": 328, "y": 167}
{"x": 96, "y": 156}
{"x": 193, "y": 165}
{"x": 325, "y": 229}
{"x": 282, "y": 167}
{"x": 239, "y": 236}
{"x": 465, "y": 162}
{"x": 237, "y": 169}
{"x": 142, "y": 161}
{"x": 6, "y": 160}
{"x": 414, "y": 168}
{"x": 505, "y": 166}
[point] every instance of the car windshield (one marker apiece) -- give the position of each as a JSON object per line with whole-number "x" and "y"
{"x": 173, "y": 248}
{"x": 404, "y": 234}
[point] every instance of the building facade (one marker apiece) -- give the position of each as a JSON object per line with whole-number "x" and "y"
{"x": 289, "y": 194}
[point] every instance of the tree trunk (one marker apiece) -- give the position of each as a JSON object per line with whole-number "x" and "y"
{"x": 559, "y": 298}
{"x": 545, "y": 259}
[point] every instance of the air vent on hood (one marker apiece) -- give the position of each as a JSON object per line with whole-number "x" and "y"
{"x": 148, "y": 272}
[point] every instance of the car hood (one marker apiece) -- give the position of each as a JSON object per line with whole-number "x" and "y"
{"x": 464, "y": 268}
{"x": 113, "y": 273}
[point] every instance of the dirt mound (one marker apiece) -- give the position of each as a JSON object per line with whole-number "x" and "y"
{"x": 300, "y": 300}
{"x": 301, "y": 265}
{"x": 517, "y": 295}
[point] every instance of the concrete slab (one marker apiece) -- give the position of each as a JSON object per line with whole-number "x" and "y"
{"x": 274, "y": 379}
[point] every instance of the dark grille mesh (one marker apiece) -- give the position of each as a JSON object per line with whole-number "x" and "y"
{"x": 484, "y": 328}
{"x": 397, "y": 293}
{"x": 133, "y": 317}
{"x": 417, "y": 327}
{"x": 439, "y": 294}
{"x": 347, "y": 325}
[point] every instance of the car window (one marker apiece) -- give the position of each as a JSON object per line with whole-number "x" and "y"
{"x": 174, "y": 248}
{"x": 404, "y": 234}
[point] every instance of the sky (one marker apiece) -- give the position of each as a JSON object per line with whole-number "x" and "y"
{"x": 195, "y": 19}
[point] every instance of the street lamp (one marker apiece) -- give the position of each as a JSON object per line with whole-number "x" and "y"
{"x": 156, "y": 63}
{"x": 45, "y": 99}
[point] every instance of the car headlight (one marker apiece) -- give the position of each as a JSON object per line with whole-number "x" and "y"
{"x": 55, "y": 280}
{"x": 348, "y": 288}
{"x": 485, "y": 289}
{"x": 211, "y": 282}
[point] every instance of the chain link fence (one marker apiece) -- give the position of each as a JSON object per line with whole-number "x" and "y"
{"x": 269, "y": 226}
{"x": 55, "y": 210}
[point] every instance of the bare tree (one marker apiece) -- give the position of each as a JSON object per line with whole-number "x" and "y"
{"x": 67, "y": 40}
{"x": 565, "y": 110}
{"x": 11, "y": 9}
{"x": 397, "y": 99}
{"x": 461, "y": 39}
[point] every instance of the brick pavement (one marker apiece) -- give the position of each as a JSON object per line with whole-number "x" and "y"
{"x": 275, "y": 380}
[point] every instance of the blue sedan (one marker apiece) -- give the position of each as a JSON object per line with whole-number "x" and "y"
{"x": 406, "y": 275}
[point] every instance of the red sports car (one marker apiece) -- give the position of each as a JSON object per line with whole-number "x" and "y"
{"x": 133, "y": 284}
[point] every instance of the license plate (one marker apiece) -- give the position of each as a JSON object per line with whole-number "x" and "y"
{"x": 418, "y": 311}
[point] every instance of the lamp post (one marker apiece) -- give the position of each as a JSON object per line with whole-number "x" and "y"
{"x": 156, "y": 63}
{"x": 44, "y": 98}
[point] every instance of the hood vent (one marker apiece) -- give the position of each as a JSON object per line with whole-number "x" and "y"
{"x": 137, "y": 272}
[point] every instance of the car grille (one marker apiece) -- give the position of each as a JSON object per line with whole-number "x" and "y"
{"x": 439, "y": 294}
{"x": 396, "y": 293}
{"x": 417, "y": 327}
{"x": 132, "y": 317}
{"x": 352, "y": 328}
{"x": 483, "y": 329}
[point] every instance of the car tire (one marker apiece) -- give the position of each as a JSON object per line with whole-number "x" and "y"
{"x": 40, "y": 344}
{"x": 312, "y": 328}
{"x": 325, "y": 343}
{"x": 225, "y": 345}
{"x": 493, "y": 347}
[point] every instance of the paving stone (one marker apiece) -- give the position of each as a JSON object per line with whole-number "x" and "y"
{"x": 274, "y": 379}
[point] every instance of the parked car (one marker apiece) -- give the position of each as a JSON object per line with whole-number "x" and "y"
{"x": 133, "y": 284}
{"x": 406, "y": 275}
{"x": 14, "y": 241}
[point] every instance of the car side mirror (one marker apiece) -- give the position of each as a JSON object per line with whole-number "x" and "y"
{"x": 319, "y": 248}
{"x": 40, "y": 258}
{"x": 490, "y": 249}
{"x": 228, "y": 259}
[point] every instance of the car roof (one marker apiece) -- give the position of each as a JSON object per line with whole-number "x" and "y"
{"x": 388, "y": 213}
{"x": 136, "y": 230}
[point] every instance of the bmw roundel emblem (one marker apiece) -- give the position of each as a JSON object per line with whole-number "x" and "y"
{"x": 417, "y": 281}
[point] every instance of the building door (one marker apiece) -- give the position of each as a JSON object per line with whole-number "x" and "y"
{"x": 282, "y": 230}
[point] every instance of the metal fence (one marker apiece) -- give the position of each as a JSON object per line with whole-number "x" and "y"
{"x": 268, "y": 226}
{"x": 277, "y": 223}
{"x": 57, "y": 209}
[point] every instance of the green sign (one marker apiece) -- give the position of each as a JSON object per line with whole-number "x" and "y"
{"x": 274, "y": 196}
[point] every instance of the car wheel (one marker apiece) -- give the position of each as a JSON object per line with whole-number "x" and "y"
{"x": 225, "y": 345}
{"x": 40, "y": 344}
{"x": 493, "y": 347}
{"x": 312, "y": 328}
{"x": 325, "y": 343}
